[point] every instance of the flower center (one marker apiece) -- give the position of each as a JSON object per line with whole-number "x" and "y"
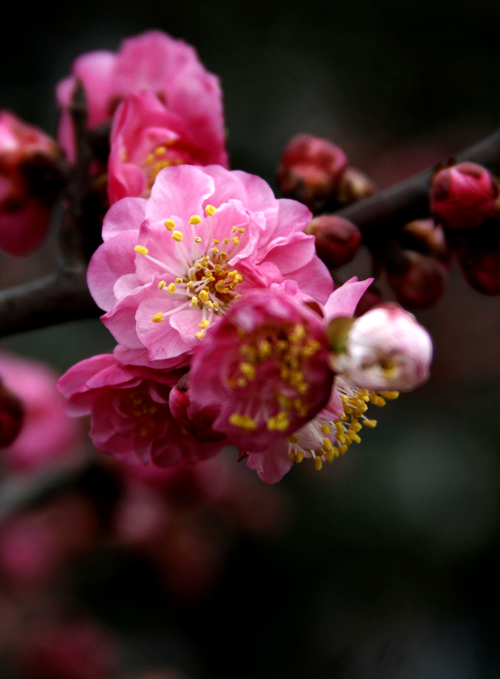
{"x": 162, "y": 156}
{"x": 139, "y": 406}
{"x": 282, "y": 353}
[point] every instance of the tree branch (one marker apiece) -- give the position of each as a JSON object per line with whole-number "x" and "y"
{"x": 394, "y": 207}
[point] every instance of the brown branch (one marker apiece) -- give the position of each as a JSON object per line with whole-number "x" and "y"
{"x": 391, "y": 208}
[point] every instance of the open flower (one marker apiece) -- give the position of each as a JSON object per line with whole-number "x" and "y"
{"x": 172, "y": 265}
{"x": 386, "y": 349}
{"x": 130, "y": 414}
{"x": 146, "y": 137}
{"x": 264, "y": 368}
{"x": 152, "y": 62}
{"x": 329, "y": 434}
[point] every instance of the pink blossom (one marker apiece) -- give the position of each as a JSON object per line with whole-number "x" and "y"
{"x": 317, "y": 438}
{"x": 463, "y": 196}
{"x": 47, "y": 432}
{"x": 172, "y": 265}
{"x": 153, "y": 62}
{"x": 26, "y": 156}
{"x": 387, "y": 349}
{"x": 146, "y": 137}
{"x": 129, "y": 411}
{"x": 264, "y": 368}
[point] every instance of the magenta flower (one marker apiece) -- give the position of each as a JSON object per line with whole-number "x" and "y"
{"x": 47, "y": 432}
{"x": 387, "y": 349}
{"x": 27, "y": 157}
{"x": 146, "y": 137}
{"x": 172, "y": 265}
{"x": 324, "y": 436}
{"x": 264, "y": 367}
{"x": 152, "y": 62}
{"x": 129, "y": 411}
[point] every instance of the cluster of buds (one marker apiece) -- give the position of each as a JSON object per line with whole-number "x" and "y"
{"x": 464, "y": 199}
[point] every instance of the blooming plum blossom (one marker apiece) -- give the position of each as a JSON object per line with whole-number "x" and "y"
{"x": 47, "y": 432}
{"x": 130, "y": 415}
{"x": 146, "y": 137}
{"x": 386, "y": 349}
{"x": 27, "y": 189}
{"x": 264, "y": 368}
{"x": 172, "y": 265}
{"x": 153, "y": 62}
{"x": 325, "y": 436}
{"x": 463, "y": 196}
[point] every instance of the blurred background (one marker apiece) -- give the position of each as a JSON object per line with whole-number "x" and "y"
{"x": 384, "y": 565}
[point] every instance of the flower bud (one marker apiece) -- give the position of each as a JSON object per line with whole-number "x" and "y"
{"x": 11, "y": 416}
{"x": 372, "y": 297}
{"x": 417, "y": 281}
{"x": 428, "y": 238}
{"x": 30, "y": 179}
{"x": 354, "y": 186}
{"x": 310, "y": 169}
{"x": 387, "y": 349}
{"x": 463, "y": 196}
{"x": 479, "y": 257}
{"x": 197, "y": 421}
{"x": 337, "y": 239}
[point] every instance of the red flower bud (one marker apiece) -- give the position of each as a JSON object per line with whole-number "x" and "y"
{"x": 354, "y": 186}
{"x": 426, "y": 237}
{"x": 479, "y": 257}
{"x": 463, "y": 196}
{"x": 417, "y": 281}
{"x": 11, "y": 416}
{"x": 337, "y": 240}
{"x": 310, "y": 169}
{"x": 30, "y": 179}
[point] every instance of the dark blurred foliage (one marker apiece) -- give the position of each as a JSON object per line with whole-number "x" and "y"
{"x": 390, "y": 568}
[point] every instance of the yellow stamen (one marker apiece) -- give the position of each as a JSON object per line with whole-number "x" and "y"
{"x": 157, "y": 318}
{"x": 200, "y": 335}
{"x": 204, "y": 296}
{"x": 169, "y": 224}
{"x": 248, "y": 370}
{"x": 325, "y": 429}
{"x": 177, "y": 236}
{"x": 210, "y": 210}
{"x": 244, "y": 422}
{"x": 141, "y": 249}
{"x": 195, "y": 219}
{"x": 197, "y": 239}
{"x": 171, "y": 288}
{"x": 318, "y": 464}
{"x": 204, "y": 324}
{"x": 161, "y": 285}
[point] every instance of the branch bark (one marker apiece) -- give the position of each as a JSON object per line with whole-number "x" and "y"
{"x": 394, "y": 207}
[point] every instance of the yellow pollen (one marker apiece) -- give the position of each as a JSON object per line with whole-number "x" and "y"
{"x": 169, "y": 224}
{"x": 197, "y": 239}
{"x": 141, "y": 249}
{"x": 292, "y": 438}
{"x": 216, "y": 241}
{"x": 204, "y": 324}
{"x": 204, "y": 296}
{"x": 200, "y": 335}
{"x": 195, "y": 219}
{"x": 242, "y": 230}
{"x": 157, "y": 318}
{"x": 299, "y": 457}
{"x": 161, "y": 285}
{"x": 318, "y": 464}
{"x": 177, "y": 236}
{"x": 236, "y": 240}
{"x": 178, "y": 281}
{"x": 210, "y": 210}
{"x": 244, "y": 422}
{"x": 325, "y": 429}
{"x": 248, "y": 370}
{"x": 389, "y": 395}
{"x": 370, "y": 423}
{"x": 234, "y": 229}
{"x": 327, "y": 444}
{"x": 226, "y": 240}
{"x": 171, "y": 288}
{"x": 194, "y": 301}
{"x": 279, "y": 422}
{"x": 160, "y": 151}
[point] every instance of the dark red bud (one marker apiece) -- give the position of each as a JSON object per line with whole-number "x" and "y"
{"x": 463, "y": 196}
{"x": 311, "y": 169}
{"x": 370, "y": 298}
{"x": 337, "y": 239}
{"x": 11, "y": 416}
{"x": 426, "y": 237}
{"x": 418, "y": 282}
{"x": 479, "y": 257}
{"x": 354, "y": 186}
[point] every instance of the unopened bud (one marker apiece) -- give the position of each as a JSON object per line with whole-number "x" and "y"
{"x": 426, "y": 237}
{"x": 479, "y": 257}
{"x": 178, "y": 400}
{"x": 30, "y": 174}
{"x": 370, "y": 298}
{"x": 337, "y": 240}
{"x": 310, "y": 169}
{"x": 11, "y": 416}
{"x": 417, "y": 281}
{"x": 463, "y": 196}
{"x": 387, "y": 349}
{"x": 354, "y": 186}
